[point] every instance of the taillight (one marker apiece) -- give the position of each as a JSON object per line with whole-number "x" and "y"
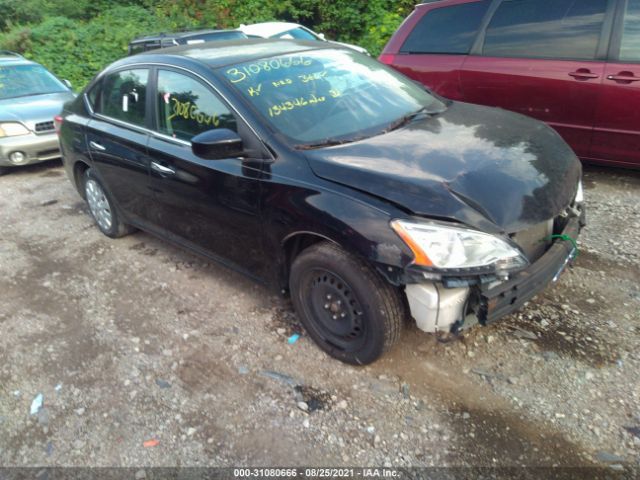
{"x": 57, "y": 122}
{"x": 386, "y": 58}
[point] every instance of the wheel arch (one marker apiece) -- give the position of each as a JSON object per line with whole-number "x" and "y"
{"x": 293, "y": 244}
{"x": 79, "y": 168}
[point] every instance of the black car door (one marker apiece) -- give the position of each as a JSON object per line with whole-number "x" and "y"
{"x": 117, "y": 138}
{"x": 210, "y": 205}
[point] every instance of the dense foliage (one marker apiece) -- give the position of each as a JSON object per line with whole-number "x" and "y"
{"x": 76, "y": 38}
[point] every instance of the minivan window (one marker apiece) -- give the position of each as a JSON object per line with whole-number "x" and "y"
{"x": 449, "y": 30}
{"x": 630, "y": 47}
{"x": 186, "y": 107}
{"x": 124, "y": 96}
{"x": 567, "y": 29}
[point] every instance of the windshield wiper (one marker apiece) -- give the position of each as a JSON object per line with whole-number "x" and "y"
{"x": 326, "y": 143}
{"x": 402, "y": 121}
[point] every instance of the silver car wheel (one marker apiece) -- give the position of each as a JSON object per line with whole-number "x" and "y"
{"x": 99, "y": 205}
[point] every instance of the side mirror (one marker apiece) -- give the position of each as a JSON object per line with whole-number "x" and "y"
{"x": 66, "y": 83}
{"x": 321, "y": 35}
{"x": 217, "y": 144}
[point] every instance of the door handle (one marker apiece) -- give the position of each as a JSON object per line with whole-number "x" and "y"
{"x": 624, "y": 77}
{"x": 161, "y": 169}
{"x": 583, "y": 73}
{"x": 97, "y": 146}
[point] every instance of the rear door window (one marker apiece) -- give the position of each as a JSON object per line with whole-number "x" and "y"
{"x": 630, "y": 45}
{"x": 124, "y": 96}
{"x": 186, "y": 107}
{"x": 563, "y": 29}
{"x": 447, "y": 30}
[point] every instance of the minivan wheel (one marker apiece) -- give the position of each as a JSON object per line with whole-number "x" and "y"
{"x": 102, "y": 208}
{"x": 351, "y": 312}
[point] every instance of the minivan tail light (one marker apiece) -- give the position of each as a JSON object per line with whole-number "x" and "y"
{"x": 57, "y": 122}
{"x": 386, "y": 58}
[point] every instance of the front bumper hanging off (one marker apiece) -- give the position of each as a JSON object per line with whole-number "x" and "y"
{"x": 436, "y": 308}
{"x": 498, "y": 301}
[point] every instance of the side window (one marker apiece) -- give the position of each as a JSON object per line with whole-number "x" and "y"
{"x": 124, "y": 96}
{"x": 92, "y": 95}
{"x": 630, "y": 46}
{"x": 186, "y": 107}
{"x": 447, "y": 29}
{"x": 568, "y": 29}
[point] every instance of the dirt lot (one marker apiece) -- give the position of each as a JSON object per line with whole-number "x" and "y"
{"x": 133, "y": 340}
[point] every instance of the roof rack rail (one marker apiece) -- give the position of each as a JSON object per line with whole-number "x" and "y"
{"x": 9, "y": 53}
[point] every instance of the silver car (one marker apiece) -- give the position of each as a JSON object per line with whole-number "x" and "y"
{"x": 30, "y": 98}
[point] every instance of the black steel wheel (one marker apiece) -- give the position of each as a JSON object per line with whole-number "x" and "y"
{"x": 346, "y": 307}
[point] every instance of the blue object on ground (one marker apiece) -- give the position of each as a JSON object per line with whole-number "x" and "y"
{"x": 162, "y": 383}
{"x": 293, "y": 338}
{"x": 279, "y": 377}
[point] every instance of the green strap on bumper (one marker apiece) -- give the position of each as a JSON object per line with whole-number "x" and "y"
{"x": 569, "y": 239}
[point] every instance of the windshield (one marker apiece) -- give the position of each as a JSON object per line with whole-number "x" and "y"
{"x": 298, "y": 33}
{"x": 26, "y": 80}
{"x": 326, "y": 96}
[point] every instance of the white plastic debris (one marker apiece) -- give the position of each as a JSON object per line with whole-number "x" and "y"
{"x": 36, "y": 404}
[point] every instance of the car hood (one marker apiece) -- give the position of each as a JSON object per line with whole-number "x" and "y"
{"x": 34, "y": 109}
{"x": 490, "y": 169}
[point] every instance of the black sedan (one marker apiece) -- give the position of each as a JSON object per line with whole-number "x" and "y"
{"x": 324, "y": 173}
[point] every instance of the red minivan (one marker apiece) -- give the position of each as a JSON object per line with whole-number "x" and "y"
{"x": 574, "y": 64}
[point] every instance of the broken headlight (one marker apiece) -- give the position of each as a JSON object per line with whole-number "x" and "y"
{"x": 444, "y": 247}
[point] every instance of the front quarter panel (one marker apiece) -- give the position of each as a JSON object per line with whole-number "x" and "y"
{"x": 356, "y": 222}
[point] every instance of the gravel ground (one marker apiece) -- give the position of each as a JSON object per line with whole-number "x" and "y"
{"x": 133, "y": 340}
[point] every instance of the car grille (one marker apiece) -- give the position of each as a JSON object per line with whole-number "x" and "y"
{"x": 43, "y": 127}
{"x": 534, "y": 241}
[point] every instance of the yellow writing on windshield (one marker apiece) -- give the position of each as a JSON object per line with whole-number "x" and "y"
{"x": 255, "y": 91}
{"x": 312, "y": 76}
{"x": 282, "y": 83}
{"x": 241, "y": 73}
{"x": 300, "y": 102}
{"x": 189, "y": 111}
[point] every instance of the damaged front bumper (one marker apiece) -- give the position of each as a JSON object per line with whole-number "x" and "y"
{"x": 437, "y": 307}
{"x": 494, "y": 302}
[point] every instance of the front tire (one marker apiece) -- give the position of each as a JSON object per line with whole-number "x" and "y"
{"x": 351, "y": 312}
{"x": 102, "y": 208}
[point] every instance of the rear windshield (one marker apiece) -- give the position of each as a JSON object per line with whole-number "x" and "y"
{"x": 328, "y": 94}
{"x": 212, "y": 37}
{"x": 298, "y": 33}
{"x": 26, "y": 80}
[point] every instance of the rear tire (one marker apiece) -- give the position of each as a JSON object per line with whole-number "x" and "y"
{"x": 347, "y": 308}
{"x": 103, "y": 208}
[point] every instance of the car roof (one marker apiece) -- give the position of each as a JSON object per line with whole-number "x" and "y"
{"x": 191, "y": 33}
{"x": 218, "y": 54}
{"x": 268, "y": 29}
{"x": 11, "y": 58}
